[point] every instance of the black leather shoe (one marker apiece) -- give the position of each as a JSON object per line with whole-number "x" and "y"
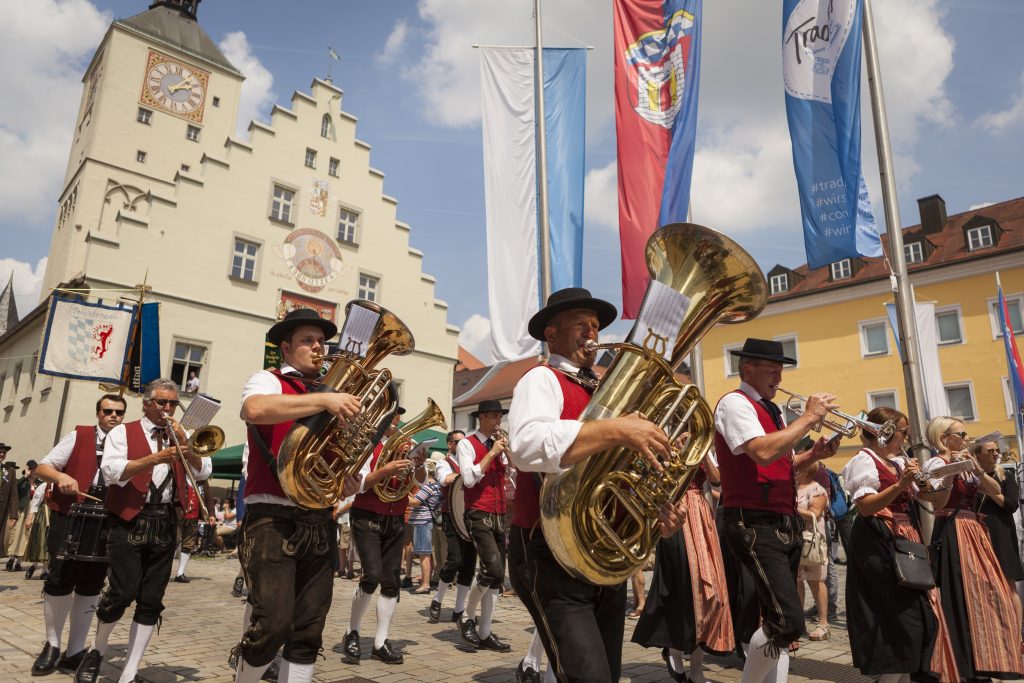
{"x": 526, "y": 674}
{"x": 181, "y": 578}
{"x": 673, "y": 674}
{"x": 89, "y": 670}
{"x": 30, "y": 571}
{"x": 456, "y": 617}
{"x": 46, "y": 662}
{"x": 236, "y": 589}
{"x": 467, "y": 629}
{"x": 386, "y": 654}
{"x": 272, "y": 671}
{"x": 434, "y": 612}
{"x": 10, "y": 564}
{"x": 350, "y": 652}
{"x": 68, "y": 664}
{"x": 491, "y": 642}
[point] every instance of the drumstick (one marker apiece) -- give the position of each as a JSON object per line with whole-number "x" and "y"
{"x": 86, "y": 495}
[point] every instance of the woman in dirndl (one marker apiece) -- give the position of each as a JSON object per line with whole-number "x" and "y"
{"x": 981, "y": 607}
{"x": 687, "y": 608}
{"x": 895, "y": 632}
{"x": 38, "y": 522}
{"x": 998, "y": 511}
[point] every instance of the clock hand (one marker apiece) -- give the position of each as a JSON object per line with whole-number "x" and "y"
{"x": 180, "y": 85}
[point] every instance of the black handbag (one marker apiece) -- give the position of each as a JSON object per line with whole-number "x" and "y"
{"x": 910, "y": 559}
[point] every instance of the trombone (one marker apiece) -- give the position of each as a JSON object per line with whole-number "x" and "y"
{"x": 851, "y": 425}
{"x": 204, "y": 441}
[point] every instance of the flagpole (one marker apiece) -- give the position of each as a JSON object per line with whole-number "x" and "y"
{"x": 1009, "y": 371}
{"x": 696, "y": 353}
{"x": 906, "y": 318}
{"x": 544, "y": 258}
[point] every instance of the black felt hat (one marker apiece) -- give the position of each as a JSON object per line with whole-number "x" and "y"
{"x": 489, "y": 406}
{"x": 763, "y": 349}
{"x": 566, "y": 300}
{"x": 4, "y": 447}
{"x": 298, "y": 318}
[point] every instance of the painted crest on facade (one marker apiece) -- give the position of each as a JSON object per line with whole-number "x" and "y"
{"x": 657, "y": 60}
{"x": 318, "y": 197}
{"x": 312, "y": 258}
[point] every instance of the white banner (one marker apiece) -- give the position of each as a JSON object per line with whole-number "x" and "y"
{"x": 85, "y": 341}
{"x": 935, "y": 400}
{"x": 510, "y": 198}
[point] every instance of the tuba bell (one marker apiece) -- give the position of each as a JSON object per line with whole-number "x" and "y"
{"x": 319, "y": 451}
{"x": 598, "y": 516}
{"x": 394, "y": 489}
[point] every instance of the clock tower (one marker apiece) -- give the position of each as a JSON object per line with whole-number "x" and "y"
{"x": 157, "y": 97}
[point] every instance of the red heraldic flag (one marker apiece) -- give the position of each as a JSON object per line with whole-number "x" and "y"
{"x": 657, "y": 68}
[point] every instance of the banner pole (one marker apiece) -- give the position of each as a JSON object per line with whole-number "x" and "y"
{"x": 905, "y": 315}
{"x": 140, "y": 293}
{"x": 544, "y": 257}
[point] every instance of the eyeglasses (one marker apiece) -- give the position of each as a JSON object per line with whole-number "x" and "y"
{"x": 962, "y": 435}
{"x": 112, "y": 411}
{"x": 166, "y": 402}
{"x": 992, "y": 451}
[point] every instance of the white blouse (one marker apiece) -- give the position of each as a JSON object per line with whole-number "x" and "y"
{"x": 860, "y": 476}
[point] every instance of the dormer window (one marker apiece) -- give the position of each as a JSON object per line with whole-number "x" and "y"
{"x": 779, "y": 283}
{"x": 914, "y": 252}
{"x": 841, "y": 270}
{"x": 979, "y": 237}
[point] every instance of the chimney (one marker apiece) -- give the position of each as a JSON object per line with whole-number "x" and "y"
{"x": 933, "y": 214}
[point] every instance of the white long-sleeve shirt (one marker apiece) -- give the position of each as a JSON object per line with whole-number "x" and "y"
{"x": 115, "y": 459}
{"x": 471, "y": 473}
{"x": 538, "y": 437}
{"x": 60, "y": 455}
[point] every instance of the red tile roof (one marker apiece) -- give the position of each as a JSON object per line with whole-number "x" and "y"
{"x": 468, "y": 361}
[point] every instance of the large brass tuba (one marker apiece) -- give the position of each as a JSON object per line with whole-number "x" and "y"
{"x": 319, "y": 451}
{"x": 599, "y": 516}
{"x": 396, "y": 488}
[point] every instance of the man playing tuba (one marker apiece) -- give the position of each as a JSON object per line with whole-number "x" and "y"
{"x": 580, "y": 624}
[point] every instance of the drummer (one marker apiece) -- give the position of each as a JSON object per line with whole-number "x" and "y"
{"x": 72, "y": 586}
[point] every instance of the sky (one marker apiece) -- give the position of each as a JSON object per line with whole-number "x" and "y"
{"x": 953, "y": 84}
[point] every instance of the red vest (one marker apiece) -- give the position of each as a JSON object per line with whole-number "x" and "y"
{"x": 488, "y": 494}
{"x": 259, "y": 477}
{"x": 964, "y": 492}
{"x": 126, "y": 501}
{"x": 81, "y": 467}
{"x": 446, "y": 491}
{"x": 887, "y": 479}
{"x": 527, "y": 509}
{"x": 370, "y": 502}
{"x": 745, "y": 484}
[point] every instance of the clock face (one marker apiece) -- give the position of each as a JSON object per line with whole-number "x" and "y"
{"x": 175, "y": 87}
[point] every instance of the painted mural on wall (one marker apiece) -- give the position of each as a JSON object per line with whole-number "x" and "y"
{"x": 312, "y": 258}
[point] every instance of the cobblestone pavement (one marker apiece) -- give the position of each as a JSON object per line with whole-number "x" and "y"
{"x": 202, "y": 621}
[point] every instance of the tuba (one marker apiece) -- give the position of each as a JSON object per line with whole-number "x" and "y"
{"x": 319, "y": 451}
{"x": 598, "y": 516}
{"x": 396, "y": 488}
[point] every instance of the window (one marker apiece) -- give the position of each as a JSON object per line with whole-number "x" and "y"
{"x": 347, "y": 222}
{"x": 979, "y": 237}
{"x": 189, "y": 358}
{"x": 1004, "y": 383}
{"x": 789, "y": 349}
{"x": 310, "y": 157}
{"x": 1014, "y": 304}
{"x": 780, "y": 283}
{"x": 874, "y": 340}
{"x": 144, "y": 116}
{"x": 841, "y": 269}
{"x": 15, "y": 380}
{"x": 332, "y": 167}
{"x": 192, "y": 133}
{"x": 140, "y": 156}
{"x": 185, "y": 167}
{"x": 243, "y": 260}
{"x": 281, "y": 205}
{"x": 732, "y": 362}
{"x": 3, "y": 383}
{"x": 325, "y": 126}
{"x": 882, "y": 399}
{"x": 216, "y": 101}
{"x": 32, "y": 372}
{"x": 368, "y": 287}
{"x": 914, "y": 252}
{"x": 961, "y": 401}
{"x": 947, "y": 323}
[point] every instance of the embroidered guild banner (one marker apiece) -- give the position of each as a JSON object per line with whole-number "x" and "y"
{"x": 85, "y": 340}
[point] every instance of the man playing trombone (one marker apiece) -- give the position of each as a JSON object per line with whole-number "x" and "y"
{"x": 754, "y": 446}
{"x": 145, "y": 474}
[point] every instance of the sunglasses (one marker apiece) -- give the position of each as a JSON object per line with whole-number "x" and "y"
{"x": 112, "y": 411}
{"x": 166, "y": 402}
{"x": 962, "y": 435}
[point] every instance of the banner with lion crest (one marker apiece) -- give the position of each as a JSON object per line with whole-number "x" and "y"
{"x": 84, "y": 340}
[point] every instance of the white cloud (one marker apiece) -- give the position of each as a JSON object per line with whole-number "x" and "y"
{"x": 256, "y": 97}
{"x": 1000, "y": 121}
{"x": 42, "y": 86}
{"x": 975, "y": 207}
{"x": 601, "y": 197}
{"x": 475, "y": 337}
{"x": 27, "y": 282}
{"x": 395, "y": 43}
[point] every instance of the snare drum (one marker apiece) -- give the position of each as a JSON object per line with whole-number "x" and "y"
{"x": 88, "y": 528}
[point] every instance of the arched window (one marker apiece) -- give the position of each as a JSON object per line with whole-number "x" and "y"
{"x": 325, "y": 126}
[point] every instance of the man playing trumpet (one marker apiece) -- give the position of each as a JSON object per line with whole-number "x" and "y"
{"x": 482, "y": 463}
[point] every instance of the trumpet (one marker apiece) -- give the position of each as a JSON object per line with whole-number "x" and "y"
{"x": 1009, "y": 456}
{"x": 204, "y": 441}
{"x": 849, "y": 427}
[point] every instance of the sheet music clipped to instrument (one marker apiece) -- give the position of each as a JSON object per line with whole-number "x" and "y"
{"x": 200, "y": 412}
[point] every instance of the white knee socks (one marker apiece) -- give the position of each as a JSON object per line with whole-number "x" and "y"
{"x": 138, "y": 641}
{"x": 476, "y": 594}
{"x": 103, "y": 630}
{"x": 760, "y": 668}
{"x": 247, "y": 673}
{"x": 83, "y": 607}
{"x": 55, "y": 614}
{"x": 360, "y": 601}
{"x": 535, "y": 654}
{"x": 290, "y": 672}
{"x": 246, "y": 617}
{"x": 460, "y": 597}
{"x": 385, "y": 610}
{"x": 490, "y": 597}
{"x": 442, "y": 588}
{"x": 183, "y": 562}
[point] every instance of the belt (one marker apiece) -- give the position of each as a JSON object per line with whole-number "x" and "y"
{"x": 753, "y": 516}
{"x": 287, "y": 512}
{"x": 156, "y": 510}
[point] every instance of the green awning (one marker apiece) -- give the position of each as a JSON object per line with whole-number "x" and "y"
{"x": 227, "y": 463}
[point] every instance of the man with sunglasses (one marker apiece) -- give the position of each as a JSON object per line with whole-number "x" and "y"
{"x": 72, "y": 587}
{"x": 145, "y": 481}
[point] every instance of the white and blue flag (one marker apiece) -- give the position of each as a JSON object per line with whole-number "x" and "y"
{"x": 511, "y": 184}
{"x": 821, "y": 46}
